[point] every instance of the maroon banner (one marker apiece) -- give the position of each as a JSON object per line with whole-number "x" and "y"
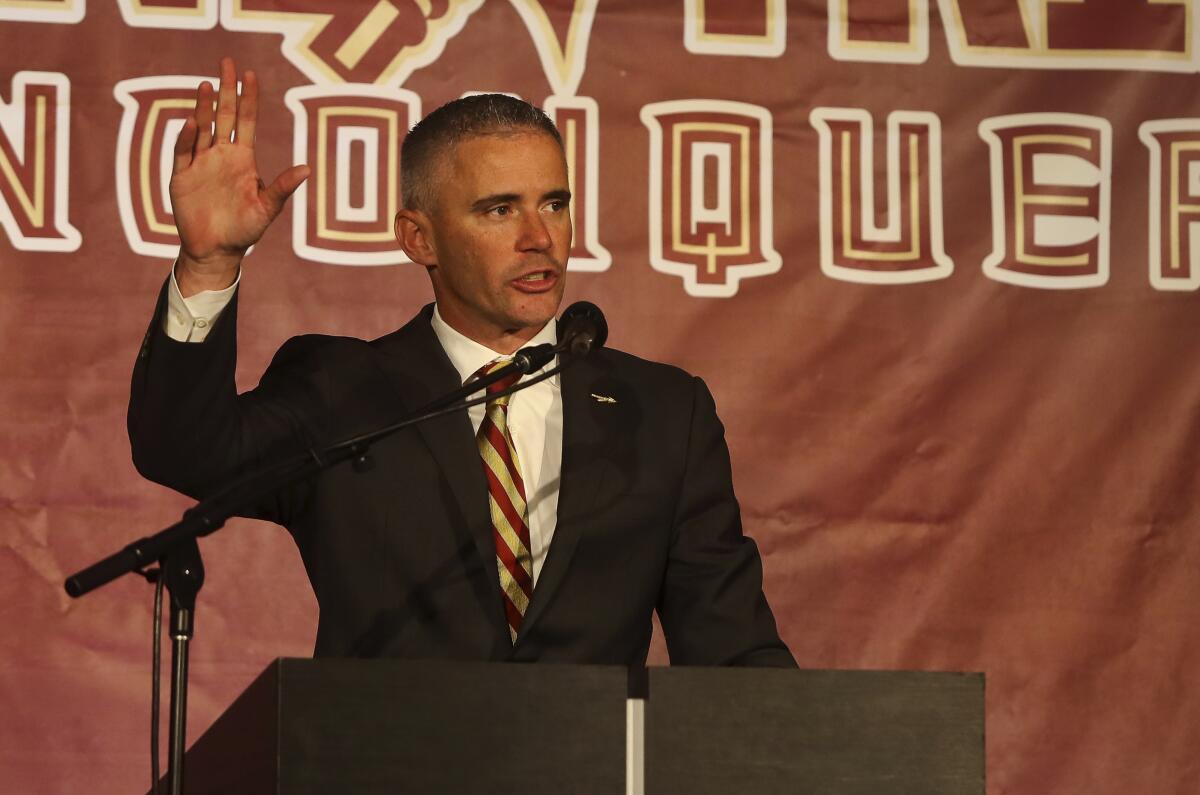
{"x": 938, "y": 262}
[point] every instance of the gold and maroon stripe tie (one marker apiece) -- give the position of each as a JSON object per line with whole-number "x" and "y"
{"x": 506, "y": 497}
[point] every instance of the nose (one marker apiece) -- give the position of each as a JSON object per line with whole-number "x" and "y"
{"x": 535, "y": 234}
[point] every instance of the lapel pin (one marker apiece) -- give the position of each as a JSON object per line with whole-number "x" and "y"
{"x": 603, "y": 398}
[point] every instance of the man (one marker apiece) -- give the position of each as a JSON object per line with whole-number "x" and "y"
{"x": 547, "y": 528}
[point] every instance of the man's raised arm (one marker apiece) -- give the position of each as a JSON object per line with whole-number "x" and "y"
{"x": 188, "y": 428}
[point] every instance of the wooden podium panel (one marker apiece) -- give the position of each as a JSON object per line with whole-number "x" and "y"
{"x": 360, "y": 727}
{"x": 838, "y": 732}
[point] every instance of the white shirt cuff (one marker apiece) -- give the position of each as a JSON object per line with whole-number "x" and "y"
{"x": 190, "y": 319}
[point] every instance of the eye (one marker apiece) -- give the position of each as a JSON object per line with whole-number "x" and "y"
{"x": 500, "y": 210}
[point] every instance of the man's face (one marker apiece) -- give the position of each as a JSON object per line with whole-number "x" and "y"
{"x": 500, "y": 227}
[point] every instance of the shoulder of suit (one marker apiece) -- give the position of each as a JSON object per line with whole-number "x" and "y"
{"x": 317, "y": 349}
{"x": 331, "y": 351}
{"x": 636, "y": 366}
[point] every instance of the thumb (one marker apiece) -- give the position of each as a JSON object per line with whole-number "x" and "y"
{"x": 277, "y": 193}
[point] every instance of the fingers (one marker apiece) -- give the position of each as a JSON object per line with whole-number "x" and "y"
{"x": 227, "y": 102}
{"x": 284, "y": 186}
{"x": 183, "y": 146}
{"x": 204, "y": 115}
{"x": 247, "y": 110}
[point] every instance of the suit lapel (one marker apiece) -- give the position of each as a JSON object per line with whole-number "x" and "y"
{"x": 590, "y": 430}
{"x": 421, "y": 371}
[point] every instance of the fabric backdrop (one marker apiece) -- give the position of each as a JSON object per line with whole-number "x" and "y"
{"x": 937, "y": 261}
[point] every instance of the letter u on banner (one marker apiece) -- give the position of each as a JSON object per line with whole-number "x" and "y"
{"x": 350, "y": 136}
{"x": 710, "y": 193}
{"x": 907, "y": 247}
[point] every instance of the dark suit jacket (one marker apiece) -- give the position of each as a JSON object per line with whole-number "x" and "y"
{"x": 401, "y": 556}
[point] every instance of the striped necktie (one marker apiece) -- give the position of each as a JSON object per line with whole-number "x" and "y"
{"x": 506, "y": 498}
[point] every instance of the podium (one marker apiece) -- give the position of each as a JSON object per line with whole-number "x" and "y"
{"x": 344, "y": 727}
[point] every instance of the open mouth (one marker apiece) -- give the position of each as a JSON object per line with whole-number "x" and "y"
{"x": 537, "y": 281}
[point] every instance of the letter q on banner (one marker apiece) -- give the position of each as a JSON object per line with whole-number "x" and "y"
{"x": 350, "y": 136}
{"x": 710, "y": 193}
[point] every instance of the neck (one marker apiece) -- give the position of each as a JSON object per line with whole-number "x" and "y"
{"x": 502, "y": 341}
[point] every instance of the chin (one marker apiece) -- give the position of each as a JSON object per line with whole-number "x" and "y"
{"x": 540, "y": 312}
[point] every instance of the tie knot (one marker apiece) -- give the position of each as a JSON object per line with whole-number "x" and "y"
{"x": 503, "y": 383}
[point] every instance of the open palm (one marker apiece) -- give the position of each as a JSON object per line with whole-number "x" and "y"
{"x": 221, "y": 205}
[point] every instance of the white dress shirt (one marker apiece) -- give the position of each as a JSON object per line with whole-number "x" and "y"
{"x": 535, "y": 417}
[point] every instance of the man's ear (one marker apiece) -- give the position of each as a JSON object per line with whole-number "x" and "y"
{"x": 413, "y": 231}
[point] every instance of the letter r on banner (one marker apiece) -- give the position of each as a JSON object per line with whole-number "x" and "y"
{"x": 710, "y": 193}
{"x": 1051, "y": 177}
{"x": 906, "y": 248}
{"x": 1174, "y": 146}
{"x": 350, "y": 136}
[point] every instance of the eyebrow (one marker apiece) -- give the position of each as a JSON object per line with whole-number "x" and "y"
{"x": 561, "y": 194}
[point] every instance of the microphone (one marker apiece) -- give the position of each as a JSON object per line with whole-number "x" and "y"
{"x": 582, "y": 329}
{"x": 527, "y": 360}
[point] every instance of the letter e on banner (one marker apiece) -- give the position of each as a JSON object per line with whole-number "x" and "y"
{"x": 155, "y": 109}
{"x": 907, "y": 248}
{"x": 35, "y": 147}
{"x": 578, "y": 121}
{"x": 350, "y": 136}
{"x": 710, "y": 193}
{"x": 1174, "y": 146}
{"x": 1051, "y": 177}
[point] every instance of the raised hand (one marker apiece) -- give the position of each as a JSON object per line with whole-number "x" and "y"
{"x": 221, "y": 204}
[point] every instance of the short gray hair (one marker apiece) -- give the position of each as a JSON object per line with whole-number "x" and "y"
{"x": 481, "y": 114}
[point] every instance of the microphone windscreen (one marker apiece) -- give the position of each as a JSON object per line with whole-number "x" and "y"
{"x": 583, "y": 318}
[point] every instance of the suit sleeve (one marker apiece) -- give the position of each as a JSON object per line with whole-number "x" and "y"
{"x": 712, "y": 607}
{"x": 190, "y": 430}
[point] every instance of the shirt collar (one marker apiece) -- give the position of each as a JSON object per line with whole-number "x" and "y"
{"x": 468, "y": 356}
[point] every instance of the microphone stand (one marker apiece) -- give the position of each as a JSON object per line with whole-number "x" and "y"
{"x": 183, "y": 575}
{"x": 179, "y": 556}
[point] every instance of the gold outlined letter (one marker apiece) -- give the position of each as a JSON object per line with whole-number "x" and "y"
{"x": 1174, "y": 146}
{"x": 35, "y": 150}
{"x": 710, "y": 193}
{"x": 908, "y": 247}
{"x": 1051, "y": 179}
{"x": 350, "y": 135}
